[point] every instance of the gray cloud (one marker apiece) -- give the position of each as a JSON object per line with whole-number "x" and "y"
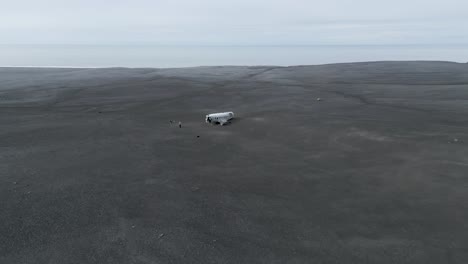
{"x": 240, "y": 22}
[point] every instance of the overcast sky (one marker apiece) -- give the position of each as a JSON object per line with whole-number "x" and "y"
{"x": 234, "y": 22}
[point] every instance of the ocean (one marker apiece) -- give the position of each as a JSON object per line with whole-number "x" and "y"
{"x": 188, "y": 56}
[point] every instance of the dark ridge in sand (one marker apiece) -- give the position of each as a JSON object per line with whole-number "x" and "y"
{"x": 91, "y": 170}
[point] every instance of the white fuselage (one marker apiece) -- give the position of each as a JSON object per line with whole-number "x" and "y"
{"x": 220, "y": 118}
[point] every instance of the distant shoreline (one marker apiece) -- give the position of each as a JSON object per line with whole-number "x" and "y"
{"x": 207, "y": 66}
{"x": 183, "y": 57}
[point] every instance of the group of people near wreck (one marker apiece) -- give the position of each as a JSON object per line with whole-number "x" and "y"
{"x": 172, "y": 122}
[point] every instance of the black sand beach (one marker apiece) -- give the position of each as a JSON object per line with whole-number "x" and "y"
{"x": 92, "y": 170}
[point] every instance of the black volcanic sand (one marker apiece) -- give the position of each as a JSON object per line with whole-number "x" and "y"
{"x": 92, "y": 170}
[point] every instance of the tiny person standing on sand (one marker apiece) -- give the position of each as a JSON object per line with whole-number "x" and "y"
{"x": 180, "y": 124}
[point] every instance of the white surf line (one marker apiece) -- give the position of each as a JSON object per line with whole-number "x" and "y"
{"x": 62, "y": 67}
